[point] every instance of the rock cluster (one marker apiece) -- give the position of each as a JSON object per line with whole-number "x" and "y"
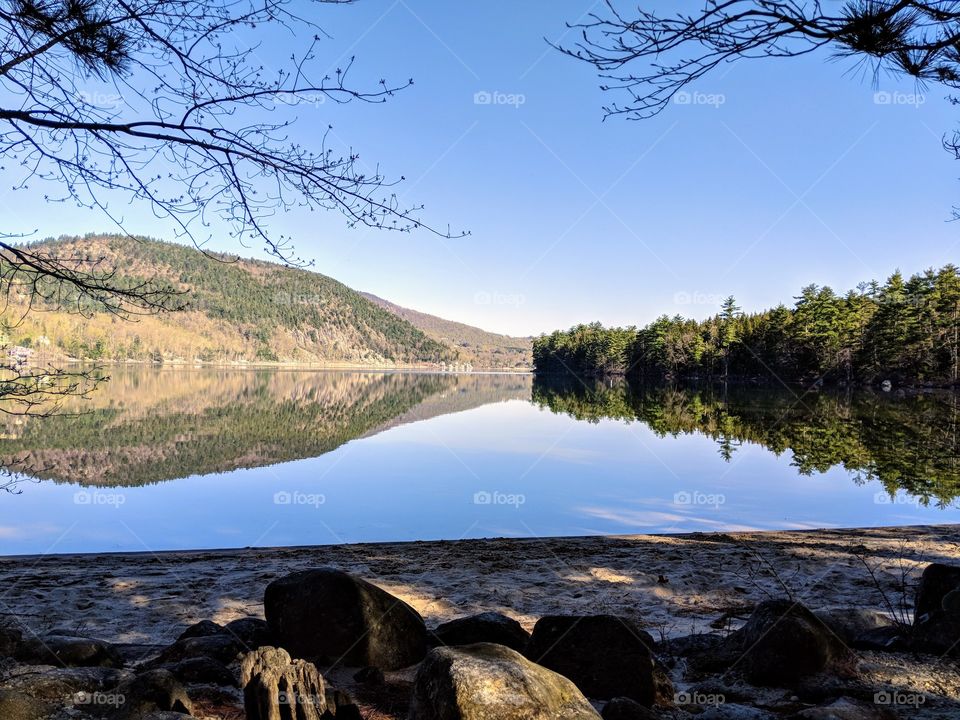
{"x": 785, "y": 662}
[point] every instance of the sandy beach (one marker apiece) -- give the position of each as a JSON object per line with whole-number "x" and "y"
{"x": 672, "y": 585}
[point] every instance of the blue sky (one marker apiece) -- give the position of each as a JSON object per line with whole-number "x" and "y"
{"x": 794, "y": 174}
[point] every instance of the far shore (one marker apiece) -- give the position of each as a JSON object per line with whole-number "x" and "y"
{"x": 278, "y": 365}
{"x": 671, "y": 584}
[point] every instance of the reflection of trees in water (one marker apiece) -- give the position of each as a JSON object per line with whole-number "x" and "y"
{"x": 907, "y": 442}
{"x": 149, "y": 425}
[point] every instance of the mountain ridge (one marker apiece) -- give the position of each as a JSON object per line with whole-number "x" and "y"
{"x": 477, "y": 345}
{"x": 238, "y": 311}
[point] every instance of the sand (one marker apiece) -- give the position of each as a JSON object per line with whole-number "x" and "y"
{"x": 672, "y": 585}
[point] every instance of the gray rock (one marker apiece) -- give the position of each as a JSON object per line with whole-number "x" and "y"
{"x": 951, "y": 601}
{"x": 605, "y": 655}
{"x": 937, "y": 633}
{"x": 330, "y": 616}
{"x": 251, "y": 632}
{"x": 492, "y": 682}
{"x": 937, "y": 580}
{"x": 203, "y": 671}
{"x": 491, "y": 627}
{"x": 275, "y": 687}
{"x": 69, "y": 651}
{"x": 626, "y": 709}
{"x": 850, "y": 623}
{"x": 204, "y": 628}
{"x": 704, "y": 653}
{"x": 150, "y": 692}
{"x": 221, "y": 647}
{"x": 783, "y": 642}
{"x": 882, "y": 639}
{"x": 63, "y": 685}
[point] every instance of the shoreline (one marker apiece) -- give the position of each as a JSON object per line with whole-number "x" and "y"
{"x": 268, "y": 365}
{"x": 413, "y": 543}
{"x": 672, "y": 585}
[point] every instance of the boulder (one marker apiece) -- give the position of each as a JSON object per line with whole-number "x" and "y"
{"x": 849, "y": 623}
{"x": 222, "y": 647}
{"x": 704, "y": 653}
{"x": 892, "y": 638}
{"x": 626, "y": 709}
{"x": 491, "y": 627}
{"x": 276, "y": 687}
{"x": 937, "y": 633}
{"x": 69, "y": 652}
{"x": 492, "y": 682}
{"x": 58, "y": 684}
{"x": 204, "y": 628}
{"x": 150, "y": 692}
{"x": 251, "y": 632}
{"x": 937, "y": 581}
{"x": 332, "y": 617}
{"x": 605, "y": 655}
{"x": 203, "y": 671}
{"x": 783, "y": 642}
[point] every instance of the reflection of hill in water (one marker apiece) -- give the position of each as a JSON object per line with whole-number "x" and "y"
{"x": 909, "y": 443}
{"x": 148, "y": 425}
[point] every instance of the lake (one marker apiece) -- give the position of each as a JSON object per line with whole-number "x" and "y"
{"x": 167, "y": 458}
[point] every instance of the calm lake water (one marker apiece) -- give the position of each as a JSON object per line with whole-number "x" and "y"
{"x": 181, "y": 458}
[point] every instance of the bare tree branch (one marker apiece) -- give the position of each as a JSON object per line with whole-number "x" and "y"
{"x": 648, "y": 58}
{"x": 165, "y": 102}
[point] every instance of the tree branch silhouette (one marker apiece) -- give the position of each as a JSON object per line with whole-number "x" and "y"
{"x": 166, "y": 104}
{"x": 648, "y": 57}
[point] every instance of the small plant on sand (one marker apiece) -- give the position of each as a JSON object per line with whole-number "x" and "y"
{"x": 896, "y": 596}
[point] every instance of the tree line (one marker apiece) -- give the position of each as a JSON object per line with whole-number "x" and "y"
{"x": 902, "y": 330}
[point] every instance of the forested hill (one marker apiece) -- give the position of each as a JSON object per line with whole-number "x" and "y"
{"x": 903, "y": 330}
{"x": 479, "y": 347}
{"x": 236, "y": 311}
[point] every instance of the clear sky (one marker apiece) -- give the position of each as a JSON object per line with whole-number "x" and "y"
{"x": 783, "y": 173}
